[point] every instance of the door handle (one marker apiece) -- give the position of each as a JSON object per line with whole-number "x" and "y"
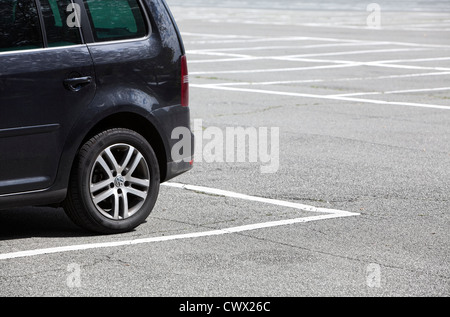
{"x": 76, "y": 84}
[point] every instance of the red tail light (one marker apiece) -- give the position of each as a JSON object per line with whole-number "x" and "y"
{"x": 184, "y": 82}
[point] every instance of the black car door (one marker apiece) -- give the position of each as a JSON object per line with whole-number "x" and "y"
{"x": 46, "y": 80}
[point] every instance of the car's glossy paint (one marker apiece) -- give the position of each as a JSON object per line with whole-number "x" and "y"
{"x": 135, "y": 84}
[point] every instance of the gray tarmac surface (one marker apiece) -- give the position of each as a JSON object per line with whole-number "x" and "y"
{"x": 364, "y": 122}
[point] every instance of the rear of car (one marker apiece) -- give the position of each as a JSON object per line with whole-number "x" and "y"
{"x": 90, "y": 93}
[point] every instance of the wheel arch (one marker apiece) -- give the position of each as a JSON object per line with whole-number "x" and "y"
{"x": 139, "y": 124}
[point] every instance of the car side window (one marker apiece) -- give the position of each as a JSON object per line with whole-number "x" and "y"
{"x": 58, "y": 21}
{"x": 116, "y": 19}
{"x": 19, "y": 25}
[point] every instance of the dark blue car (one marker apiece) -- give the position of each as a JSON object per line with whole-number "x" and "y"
{"x": 90, "y": 92}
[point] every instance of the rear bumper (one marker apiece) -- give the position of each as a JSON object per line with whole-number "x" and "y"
{"x": 177, "y": 168}
{"x": 175, "y": 129}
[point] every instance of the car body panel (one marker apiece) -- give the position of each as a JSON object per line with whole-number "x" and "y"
{"x": 37, "y": 113}
{"x": 135, "y": 84}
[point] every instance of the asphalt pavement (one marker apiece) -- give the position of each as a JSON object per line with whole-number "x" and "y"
{"x": 349, "y": 112}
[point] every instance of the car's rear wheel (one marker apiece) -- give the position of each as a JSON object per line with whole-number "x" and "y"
{"x": 114, "y": 183}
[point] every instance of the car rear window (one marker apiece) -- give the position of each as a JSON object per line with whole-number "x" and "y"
{"x": 116, "y": 19}
{"x": 58, "y": 20}
{"x": 19, "y": 25}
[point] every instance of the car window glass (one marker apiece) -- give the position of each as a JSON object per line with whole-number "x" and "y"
{"x": 19, "y": 25}
{"x": 116, "y": 19}
{"x": 59, "y": 18}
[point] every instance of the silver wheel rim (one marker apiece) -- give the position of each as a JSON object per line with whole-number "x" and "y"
{"x": 119, "y": 181}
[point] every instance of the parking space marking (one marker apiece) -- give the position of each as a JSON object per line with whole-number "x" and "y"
{"x": 224, "y": 193}
{"x": 229, "y": 55}
{"x": 360, "y": 52}
{"x": 326, "y": 214}
{"x": 245, "y": 39}
{"x": 275, "y": 47}
{"x": 305, "y": 81}
{"x": 340, "y": 64}
{"x": 415, "y": 60}
{"x": 301, "y": 57}
{"x": 392, "y": 92}
{"x": 275, "y": 70}
{"x": 387, "y": 65}
{"x": 327, "y": 97}
{"x": 341, "y": 25}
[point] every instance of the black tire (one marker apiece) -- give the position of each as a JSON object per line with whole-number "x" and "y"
{"x": 114, "y": 183}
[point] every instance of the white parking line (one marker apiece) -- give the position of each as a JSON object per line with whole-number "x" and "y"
{"x": 324, "y": 39}
{"x": 329, "y": 64}
{"x": 358, "y": 52}
{"x": 415, "y": 60}
{"x": 224, "y": 193}
{"x": 212, "y": 35}
{"x": 323, "y": 25}
{"x": 276, "y": 70}
{"x": 279, "y": 47}
{"x": 301, "y": 57}
{"x": 327, "y": 214}
{"x": 382, "y": 64}
{"x": 287, "y": 82}
{"x": 342, "y": 64}
{"x": 327, "y": 97}
{"x": 392, "y": 92}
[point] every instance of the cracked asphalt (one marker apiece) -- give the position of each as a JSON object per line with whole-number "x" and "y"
{"x": 363, "y": 116}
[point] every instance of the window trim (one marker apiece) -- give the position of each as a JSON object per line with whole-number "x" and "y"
{"x": 41, "y": 23}
{"x": 44, "y": 49}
